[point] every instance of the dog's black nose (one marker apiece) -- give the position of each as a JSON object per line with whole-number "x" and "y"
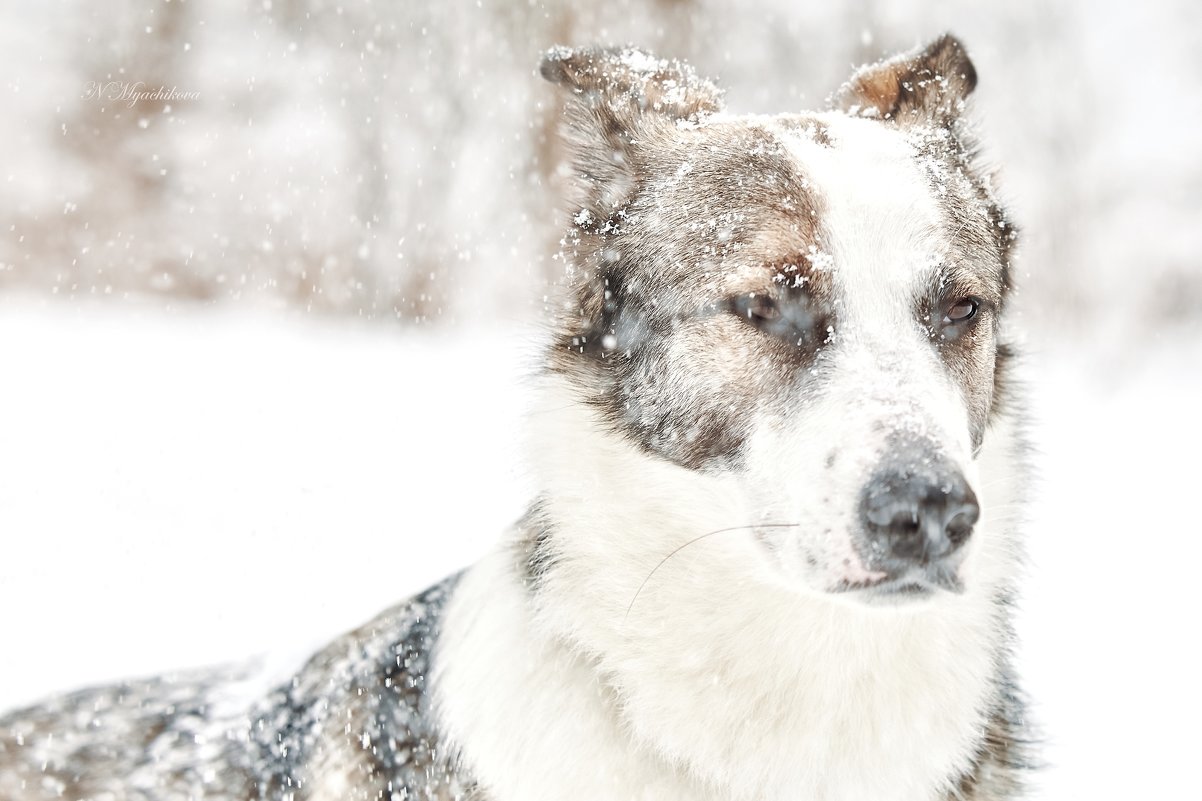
{"x": 916, "y": 512}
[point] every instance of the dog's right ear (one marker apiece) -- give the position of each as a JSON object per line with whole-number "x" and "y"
{"x": 618, "y": 98}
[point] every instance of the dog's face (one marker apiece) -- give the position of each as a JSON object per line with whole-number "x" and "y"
{"x": 808, "y": 304}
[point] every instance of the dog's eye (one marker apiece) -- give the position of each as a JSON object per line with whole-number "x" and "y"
{"x": 757, "y": 309}
{"x": 795, "y": 321}
{"x": 962, "y": 311}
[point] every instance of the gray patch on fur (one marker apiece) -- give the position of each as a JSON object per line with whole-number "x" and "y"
{"x": 356, "y": 716}
{"x": 1003, "y": 764}
{"x": 709, "y": 202}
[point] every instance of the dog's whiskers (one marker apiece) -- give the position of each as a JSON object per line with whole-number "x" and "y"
{"x": 698, "y": 539}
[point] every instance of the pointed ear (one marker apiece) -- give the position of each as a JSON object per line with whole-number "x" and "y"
{"x": 924, "y": 86}
{"x": 617, "y": 98}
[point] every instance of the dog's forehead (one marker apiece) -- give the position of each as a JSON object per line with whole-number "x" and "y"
{"x": 745, "y": 195}
{"x": 882, "y": 227}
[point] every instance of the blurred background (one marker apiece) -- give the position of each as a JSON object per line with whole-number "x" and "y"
{"x": 271, "y": 272}
{"x": 397, "y": 161}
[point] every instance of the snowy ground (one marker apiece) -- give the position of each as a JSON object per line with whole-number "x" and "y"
{"x": 180, "y": 488}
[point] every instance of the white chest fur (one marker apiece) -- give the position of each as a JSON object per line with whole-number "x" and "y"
{"x": 830, "y": 702}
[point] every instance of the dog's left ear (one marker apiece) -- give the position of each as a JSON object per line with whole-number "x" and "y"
{"x": 923, "y": 86}
{"x": 618, "y": 99}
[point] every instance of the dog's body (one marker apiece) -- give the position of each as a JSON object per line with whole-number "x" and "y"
{"x": 772, "y": 554}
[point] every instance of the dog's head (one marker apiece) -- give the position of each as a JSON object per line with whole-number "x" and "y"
{"x": 807, "y": 304}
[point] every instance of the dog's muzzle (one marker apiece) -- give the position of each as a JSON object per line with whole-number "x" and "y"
{"x": 916, "y": 513}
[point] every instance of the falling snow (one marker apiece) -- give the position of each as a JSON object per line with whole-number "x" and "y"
{"x": 211, "y": 447}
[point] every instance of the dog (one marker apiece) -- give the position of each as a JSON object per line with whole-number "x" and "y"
{"x": 779, "y": 448}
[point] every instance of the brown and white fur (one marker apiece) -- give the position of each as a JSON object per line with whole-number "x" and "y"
{"x": 769, "y": 325}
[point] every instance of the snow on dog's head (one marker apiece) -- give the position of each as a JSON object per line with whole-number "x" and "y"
{"x": 784, "y": 325}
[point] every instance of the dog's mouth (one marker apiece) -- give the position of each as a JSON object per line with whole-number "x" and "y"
{"x": 915, "y": 584}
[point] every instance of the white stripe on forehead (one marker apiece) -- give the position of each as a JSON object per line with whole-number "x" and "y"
{"x": 885, "y": 232}
{"x": 880, "y": 219}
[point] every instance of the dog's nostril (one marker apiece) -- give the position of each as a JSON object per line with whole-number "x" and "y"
{"x": 959, "y": 527}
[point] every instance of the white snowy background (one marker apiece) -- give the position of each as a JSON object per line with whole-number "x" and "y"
{"x": 262, "y": 352}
